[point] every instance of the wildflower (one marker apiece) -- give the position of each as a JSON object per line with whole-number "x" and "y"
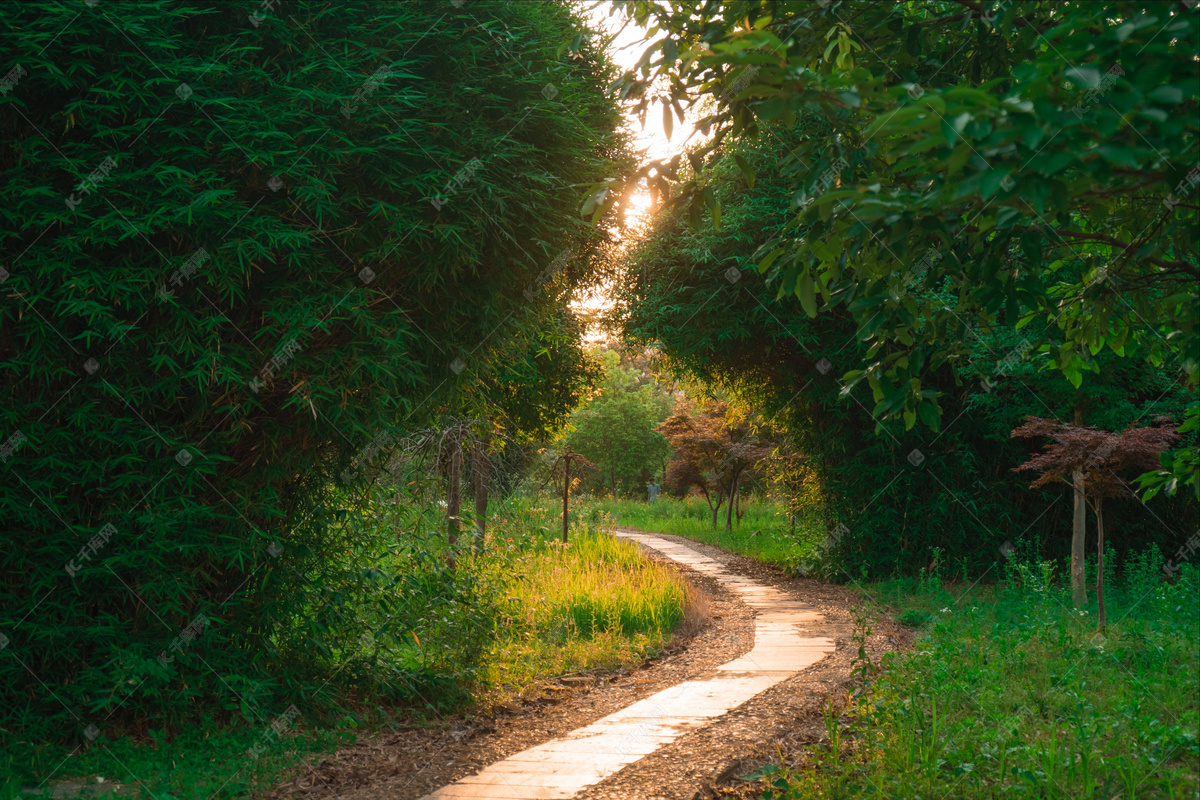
{"x": 945, "y": 610}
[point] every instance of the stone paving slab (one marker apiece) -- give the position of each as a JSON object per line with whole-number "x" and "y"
{"x": 563, "y": 767}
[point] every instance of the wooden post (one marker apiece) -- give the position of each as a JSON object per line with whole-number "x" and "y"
{"x": 479, "y": 471}
{"x": 566, "y": 492}
{"x": 1098, "y": 508}
{"x": 453, "y": 495}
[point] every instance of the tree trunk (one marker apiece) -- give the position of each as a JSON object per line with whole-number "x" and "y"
{"x": 480, "y": 468}
{"x": 733, "y": 486}
{"x": 1078, "y": 541}
{"x": 453, "y": 497}
{"x": 717, "y": 508}
{"x": 566, "y": 493}
{"x": 1100, "y": 560}
{"x": 707, "y": 499}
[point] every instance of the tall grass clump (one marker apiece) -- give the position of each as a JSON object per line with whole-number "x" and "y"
{"x": 596, "y": 601}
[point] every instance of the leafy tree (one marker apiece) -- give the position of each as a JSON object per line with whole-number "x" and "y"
{"x": 965, "y": 166}
{"x": 690, "y": 295}
{"x": 696, "y": 452}
{"x": 744, "y": 449}
{"x": 714, "y": 446}
{"x": 243, "y": 256}
{"x": 1094, "y": 459}
{"x": 616, "y": 429}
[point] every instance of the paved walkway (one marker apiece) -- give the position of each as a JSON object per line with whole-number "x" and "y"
{"x": 564, "y": 767}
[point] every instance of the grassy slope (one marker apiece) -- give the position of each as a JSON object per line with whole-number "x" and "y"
{"x": 1009, "y": 692}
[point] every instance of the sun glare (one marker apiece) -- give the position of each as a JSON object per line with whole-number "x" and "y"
{"x": 639, "y": 207}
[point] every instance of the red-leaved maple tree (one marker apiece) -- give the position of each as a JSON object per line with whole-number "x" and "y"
{"x": 1094, "y": 462}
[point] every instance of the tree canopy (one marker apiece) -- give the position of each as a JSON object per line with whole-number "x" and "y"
{"x": 960, "y": 167}
{"x": 241, "y": 251}
{"x": 692, "y": 295}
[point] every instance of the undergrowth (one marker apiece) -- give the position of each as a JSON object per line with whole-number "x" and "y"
{"x": 431, "y": 641}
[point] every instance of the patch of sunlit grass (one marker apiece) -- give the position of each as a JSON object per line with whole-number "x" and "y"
{"x": 593, "y": 602}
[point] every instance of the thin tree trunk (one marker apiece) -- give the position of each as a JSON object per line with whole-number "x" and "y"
{"x": 733, "y": 485}
{"x": 1078, "y": 530}
{"x": 1078, "y": 541}
{"x": 1100, "y": 560}
{"x": 453, "y": 496}
{"x": 707, "y": 499}
{"x": 566, "y": 493}
{"x": 479, "y": 471}
{"x": 717, "y": 508}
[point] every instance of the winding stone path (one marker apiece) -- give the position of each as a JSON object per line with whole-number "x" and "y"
{"x": 563, "y": 767}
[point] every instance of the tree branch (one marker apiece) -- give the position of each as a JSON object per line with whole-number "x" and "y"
{"x": 1190, "y": 269}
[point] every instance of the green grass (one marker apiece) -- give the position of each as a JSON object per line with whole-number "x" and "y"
{"x": 550, "y": 609}
{"x": 200, "y": 762}
{"x": 1010, "y": 693}
{"x": 763, "y": 533}
{"x": 594, "y": 602}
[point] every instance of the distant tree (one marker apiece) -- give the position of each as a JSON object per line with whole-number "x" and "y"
{"x": 566, "y": 460}
{"x": 1094, "y": 459}
{"x": 744, "y": 449}
{"x": 697, "y": 451}
{"x": 616, "y": 429}
{"x": 715, "y": 445}
{"x": 792, "y": 482}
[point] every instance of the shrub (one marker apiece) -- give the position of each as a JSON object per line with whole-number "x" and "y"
{"x": 298, "y": 228}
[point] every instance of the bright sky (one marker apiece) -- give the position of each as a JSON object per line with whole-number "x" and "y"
{"x": 652, "y": 138}
{"x": 625, "y": 51}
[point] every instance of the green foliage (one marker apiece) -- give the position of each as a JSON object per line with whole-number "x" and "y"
{"x": 914, "y": 618}
{"x": 887, "y": 493}
{"x": 1181, "y": 468}
{"x": 1009, "y": 692}
{"x": 616, "y": 429}
{"x": 197, "y": 763}
{"x": 315, "y": 222}
{"x": 1021, "y": 165}
{"x": 498, "y": 626}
